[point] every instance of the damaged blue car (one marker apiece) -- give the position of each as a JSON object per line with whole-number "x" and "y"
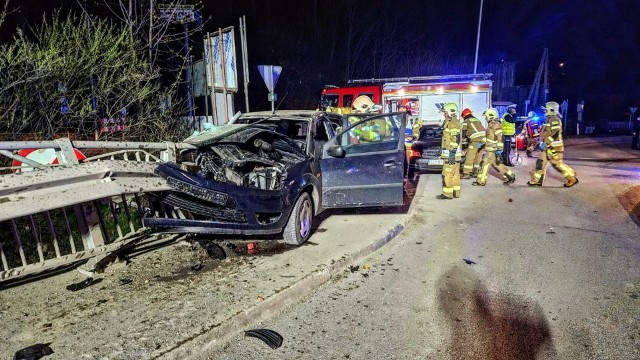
{"x": 271, "y": 173}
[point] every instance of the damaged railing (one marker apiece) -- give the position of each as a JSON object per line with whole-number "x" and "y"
{"x": 54, "y": 216}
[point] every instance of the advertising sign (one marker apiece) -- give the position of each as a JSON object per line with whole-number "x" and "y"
{"x": 216, "y": 58}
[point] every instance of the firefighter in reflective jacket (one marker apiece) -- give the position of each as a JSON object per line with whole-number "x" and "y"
{"x": 451, "y": 152}
{"x": 472, "y": 129}
{"x": 552, "y": 149}
{"x": 494, "y": 148}
{"x": 530, "y": 133}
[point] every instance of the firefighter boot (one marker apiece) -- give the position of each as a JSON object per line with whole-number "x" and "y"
{"x": 456, "y": 193}
{"x": 529, "y": 154}
{"x": 538, "y": 183}
{"x": 571, "y": 180}
{"x": 443, "y": 197}
{"x": 511, "y": 178}
{"x": 465, "y": 176}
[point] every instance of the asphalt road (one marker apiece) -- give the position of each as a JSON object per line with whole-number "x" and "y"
{"x": 556, "y": 275}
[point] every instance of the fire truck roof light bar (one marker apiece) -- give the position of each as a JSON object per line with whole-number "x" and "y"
{"x": 421, "y": 78}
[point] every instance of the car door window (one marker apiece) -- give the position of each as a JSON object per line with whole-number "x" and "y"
{"x": 375, "y": 133}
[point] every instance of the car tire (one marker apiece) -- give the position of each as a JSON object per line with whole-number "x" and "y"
{"x": 298, "y": 228}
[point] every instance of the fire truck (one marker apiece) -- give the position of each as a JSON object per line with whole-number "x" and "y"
{"x": 421, "y": 94}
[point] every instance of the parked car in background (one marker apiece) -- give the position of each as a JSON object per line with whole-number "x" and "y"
{"x": 425, "y": 152}
{"x": 271, "y": 173}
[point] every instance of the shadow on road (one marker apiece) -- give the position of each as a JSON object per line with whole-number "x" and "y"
{"x": 630, "y": 201}
{"x": 491, "y": 326}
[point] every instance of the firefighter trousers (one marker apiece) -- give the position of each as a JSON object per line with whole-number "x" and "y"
{"x": 473, "y": 159}
{"x": 490, "y": 160}
{"x": 531, "y": 144}
{"x": 451, "y": 180}
{"x": 555, "y": 158}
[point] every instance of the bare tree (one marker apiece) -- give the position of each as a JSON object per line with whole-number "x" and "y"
{"x": 46, "y": 84}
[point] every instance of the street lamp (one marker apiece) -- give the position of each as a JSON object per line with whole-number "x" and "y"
{"x": 475, "y": 64}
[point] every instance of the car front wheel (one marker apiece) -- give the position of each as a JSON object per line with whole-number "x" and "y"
{"x": 298, "y": 228}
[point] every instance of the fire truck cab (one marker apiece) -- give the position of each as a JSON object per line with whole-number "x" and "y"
{"x": 337, "y": 97}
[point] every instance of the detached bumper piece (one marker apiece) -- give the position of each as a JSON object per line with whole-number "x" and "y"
{"x": 270, "y": 337}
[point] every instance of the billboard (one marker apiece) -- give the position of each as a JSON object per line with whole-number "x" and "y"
{"x": 218, "y": 58}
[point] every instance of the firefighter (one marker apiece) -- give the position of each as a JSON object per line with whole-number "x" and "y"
{"x": 374, "y": 130}
{"x": 552, "y": 149}
{"x": 530, "y": 133}
{"x": 473, "y": 130}
{"x": 494, "y": 150}
{"x": 508, "y": 130}
{"x": 451, "y": 152}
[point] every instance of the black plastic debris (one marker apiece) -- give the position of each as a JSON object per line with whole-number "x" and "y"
{"x": 125, "y": 281}
{"x": 214, "y": 250}
{"x": 468, "y": 261}
{"x": 197, "y": 267}
{"x": 83, "y": 284}
{"x": 365, "y": 275}
{"x": 270, "y": 337}
{"x": 33, "y": 352}
{"x": 354, "y": 268}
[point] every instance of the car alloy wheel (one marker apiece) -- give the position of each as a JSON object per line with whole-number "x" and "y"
{"x": 298, "y": 228}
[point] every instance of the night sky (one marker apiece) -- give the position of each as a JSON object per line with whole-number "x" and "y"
{"x": 596, "y": 40}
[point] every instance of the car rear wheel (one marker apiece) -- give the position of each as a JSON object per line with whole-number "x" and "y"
{"x": 298, "y": 228}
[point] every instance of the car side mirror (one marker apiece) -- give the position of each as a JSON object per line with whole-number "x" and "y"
{"x": 336, "y": 151}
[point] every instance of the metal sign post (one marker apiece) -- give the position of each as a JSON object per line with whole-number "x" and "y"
{"x": 184, "y": 14}
{"x": 270, "y": 75}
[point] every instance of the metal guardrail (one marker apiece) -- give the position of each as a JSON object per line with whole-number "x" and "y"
{"x": 60, "y": 215}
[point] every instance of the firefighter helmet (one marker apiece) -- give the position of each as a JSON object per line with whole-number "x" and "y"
{"x": 450, "y": 109}
{"x": 364, "y": 104}
{"x": 552, "y": 108}
{"x": 466, "y": 112}
{"x": 491, "y": 114}
{"x": 531, "y": 114}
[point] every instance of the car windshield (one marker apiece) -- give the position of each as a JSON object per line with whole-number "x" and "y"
{"x": 296, "y": 128}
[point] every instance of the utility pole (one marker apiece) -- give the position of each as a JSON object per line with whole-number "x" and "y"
{"x": 475, "y": 64}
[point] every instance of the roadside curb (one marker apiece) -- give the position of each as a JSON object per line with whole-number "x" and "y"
{"x": 220, "y": 334}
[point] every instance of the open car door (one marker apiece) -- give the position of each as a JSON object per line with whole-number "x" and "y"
{"x": 363, "y": 165}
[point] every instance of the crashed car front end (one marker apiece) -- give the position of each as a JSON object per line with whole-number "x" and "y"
{"x": 243, "y": 184}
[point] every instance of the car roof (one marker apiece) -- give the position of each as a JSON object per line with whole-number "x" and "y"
{"x": 301, "y": 114}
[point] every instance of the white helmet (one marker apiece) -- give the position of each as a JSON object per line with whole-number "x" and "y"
{"x": 531, "y": 114}
{"x": 364, "y": 104}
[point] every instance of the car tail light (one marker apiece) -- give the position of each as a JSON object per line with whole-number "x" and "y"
{"x": 415, "y": 153}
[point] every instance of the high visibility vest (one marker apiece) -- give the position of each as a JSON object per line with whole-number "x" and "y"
{"x": 508, "y": 128}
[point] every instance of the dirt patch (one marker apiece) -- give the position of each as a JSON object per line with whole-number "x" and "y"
{"x": 630, "y": 201}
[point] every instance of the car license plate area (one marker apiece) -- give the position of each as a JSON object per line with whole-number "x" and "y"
{"x": 435, "y": 162}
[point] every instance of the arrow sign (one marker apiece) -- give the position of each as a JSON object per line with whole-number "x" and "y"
{"x": 270, "y": 75}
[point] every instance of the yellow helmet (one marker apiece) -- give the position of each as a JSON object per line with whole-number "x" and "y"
{"x": 552, "y": 108}
{"x": 450, "y": 108}
{"x": 490, "y": 114}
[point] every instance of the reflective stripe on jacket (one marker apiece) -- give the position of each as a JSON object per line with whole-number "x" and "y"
{"x": 494, "y": 136}
{"x": 475, "y": 130}
{"x": 551, "y": 133}
{"x": 451, "y": 134}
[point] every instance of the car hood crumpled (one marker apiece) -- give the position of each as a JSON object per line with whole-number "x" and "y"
{"x": 216, "y": 133}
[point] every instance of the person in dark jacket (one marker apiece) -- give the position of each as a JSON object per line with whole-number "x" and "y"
{"x": 508, "y": 131}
